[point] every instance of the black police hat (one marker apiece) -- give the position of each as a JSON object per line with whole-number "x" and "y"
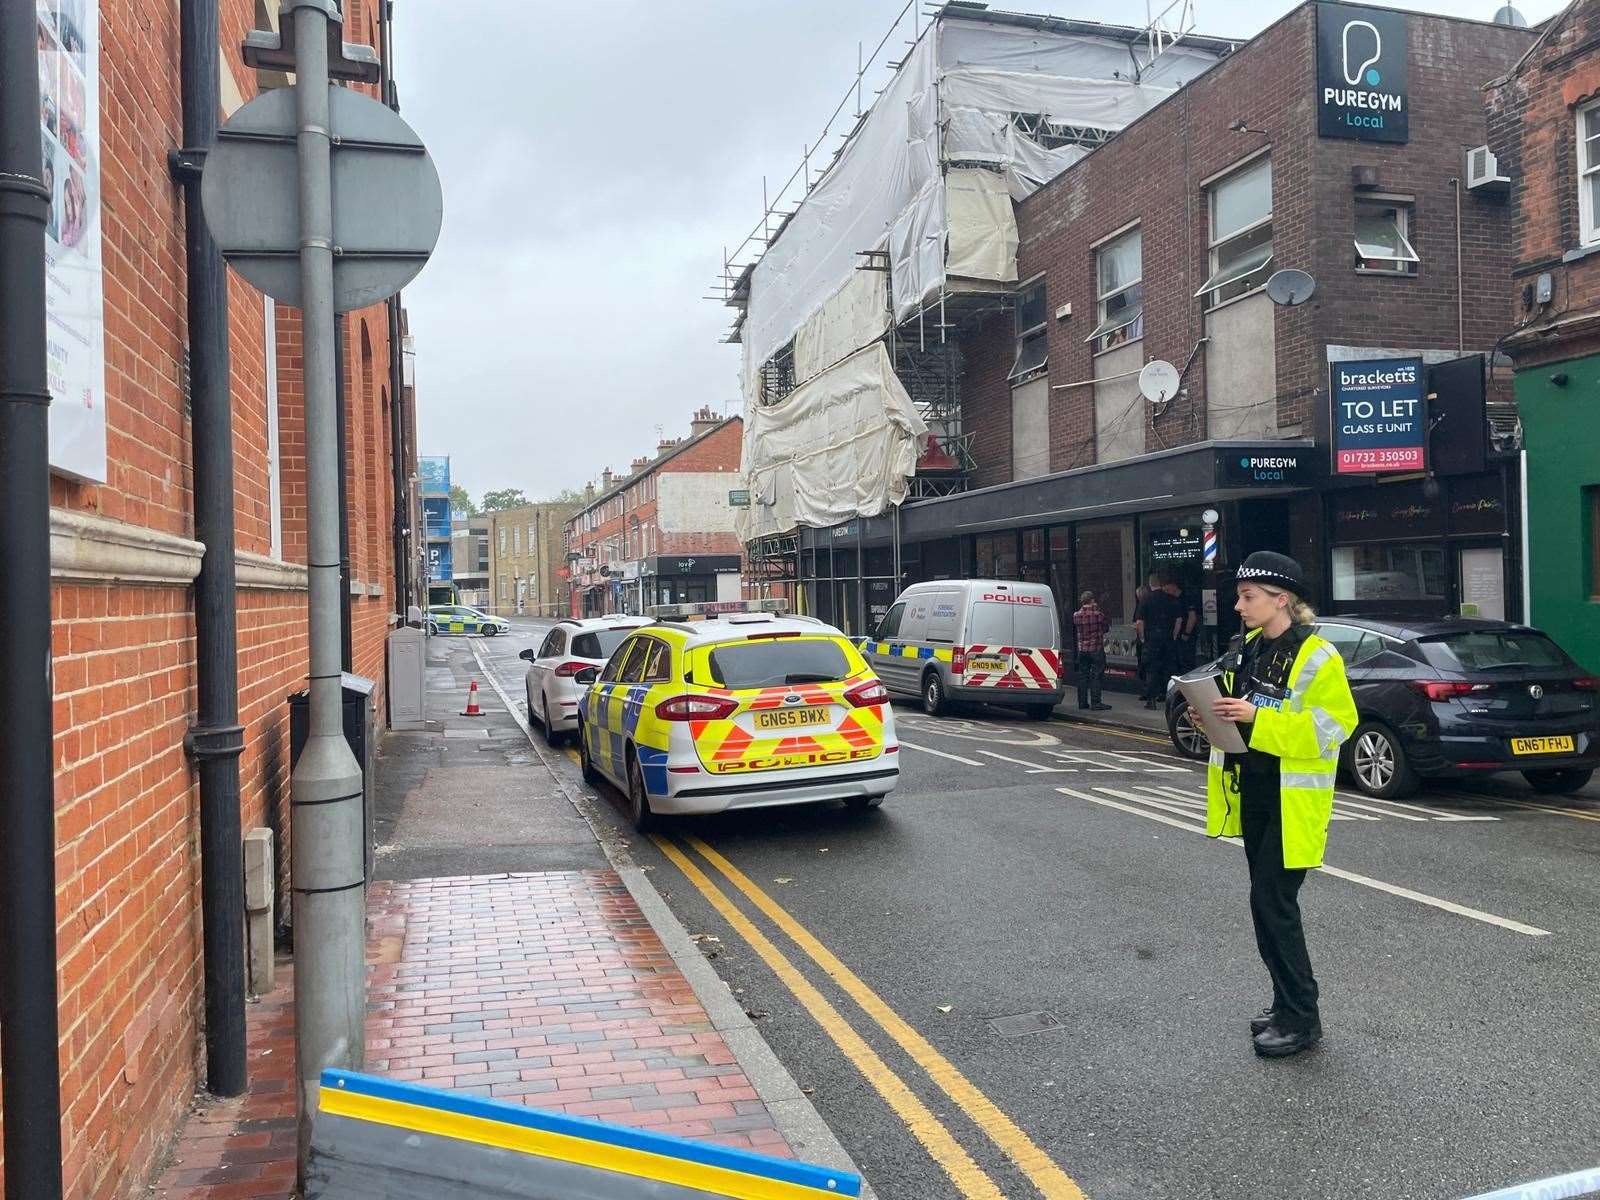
{"x": 1274, "y": 570}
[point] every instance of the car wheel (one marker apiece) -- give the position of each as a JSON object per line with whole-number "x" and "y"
{"x": 1558, "y": 782}
{"x": 638, "y": 799}
{"x": 933, "y": 701}
{"x": 550, "y": 734}
{"x": 490, "y": 630}
{"x": 585, "y": 763}
{"x": 433, "y": 630}
{"x": 863, "y": 803}
{"x": 1187, "y": 737}
{"x": 1378, "y": 762}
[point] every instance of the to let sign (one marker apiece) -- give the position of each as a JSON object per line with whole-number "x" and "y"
{"x": 1361, "y": 73}
{"x": 1380, "y": 421}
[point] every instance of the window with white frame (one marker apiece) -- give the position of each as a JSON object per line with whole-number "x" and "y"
{"x": 1383, "y": 236}
{"x": 1240, "y": 208}
{"x": 1119, "y": 292}
{"x": 1033, "y": 335}
{"x": 1589, "y": 172}
{"x": 502, "y": 540}
{"x": 516, "y": 540}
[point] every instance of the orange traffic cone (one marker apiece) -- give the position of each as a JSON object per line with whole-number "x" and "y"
{"x": 472, "y": 709}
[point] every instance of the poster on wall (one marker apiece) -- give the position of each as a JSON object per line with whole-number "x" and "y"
{"x": 1380, "y": 423}
{"x": 69, "y": 131}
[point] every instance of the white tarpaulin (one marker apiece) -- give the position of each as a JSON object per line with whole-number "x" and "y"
{"x": 856, "y": 314}
{"x": 839, "y": 446}
{"x": 983, "y": 227}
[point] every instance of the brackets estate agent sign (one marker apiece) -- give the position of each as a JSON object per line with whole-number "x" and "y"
{"x": 1380, "y": 419}
{"x": 1361, "y": 73}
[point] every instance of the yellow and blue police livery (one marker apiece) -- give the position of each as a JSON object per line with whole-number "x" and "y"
{"x": 377, "y": 1136}
{"x": 460, "y": 618}
{"x": 735, "y": 705}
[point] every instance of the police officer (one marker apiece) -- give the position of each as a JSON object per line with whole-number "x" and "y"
{"x": 1285, "y": 688}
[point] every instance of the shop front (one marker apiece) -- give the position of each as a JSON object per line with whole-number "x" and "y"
{"x": 690, "y": 579}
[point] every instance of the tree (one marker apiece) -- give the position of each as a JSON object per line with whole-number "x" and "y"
{"x": 504, "y": 498}
{"x": 568, "y": 496}
{"x": 462, "y": 503}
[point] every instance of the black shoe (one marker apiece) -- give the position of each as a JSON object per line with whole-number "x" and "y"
{"x": 1101, "y": 707}
{"x": 1083, "y": 707}
{"x": 1259, "y": 1023}
{"x": 1281, "y": 1043}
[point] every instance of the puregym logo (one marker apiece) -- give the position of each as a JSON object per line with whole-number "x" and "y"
{"x": 1361, "y": 73}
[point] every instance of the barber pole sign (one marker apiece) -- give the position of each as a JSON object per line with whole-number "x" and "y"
{"x": 1208, "y": 548}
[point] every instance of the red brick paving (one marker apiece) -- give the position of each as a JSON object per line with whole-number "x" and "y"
{"x": 546, "y": 989}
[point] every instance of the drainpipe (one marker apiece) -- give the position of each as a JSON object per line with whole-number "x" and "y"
{"x": 30, "y": 1070}
{"x": 397, "y": 425}
{"x": 342, "y": 439}
{"x": 217, "y": 739}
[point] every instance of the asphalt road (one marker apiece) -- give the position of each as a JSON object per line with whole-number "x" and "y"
{"x": 1025, "y": 869}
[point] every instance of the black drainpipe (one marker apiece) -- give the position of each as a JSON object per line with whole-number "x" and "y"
{"x": 398, "y": 456}
{"x": 217, "y": 739}
{"x": 347, "y": 651}
{"x": 30, "y": 1071}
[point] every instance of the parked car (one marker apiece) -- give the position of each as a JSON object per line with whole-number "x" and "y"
{"x": 462, "y": 618}
{"x": 1452, "y": 698}
{"x": 971, "y": 639}
{"x": 746, "y": 709}
{"x": 571, "y": 646}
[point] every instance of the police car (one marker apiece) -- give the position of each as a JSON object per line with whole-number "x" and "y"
{"x": 458, "y": 618}
{"x": 732, "y": 704}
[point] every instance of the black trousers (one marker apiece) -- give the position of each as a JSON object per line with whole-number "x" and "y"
{"x": 1275, "y": 904}
{"x": 1161, "y": 664}
{"x": 1091, "y": 671}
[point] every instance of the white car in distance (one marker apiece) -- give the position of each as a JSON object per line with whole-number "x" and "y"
{"x": 567, "y": 649}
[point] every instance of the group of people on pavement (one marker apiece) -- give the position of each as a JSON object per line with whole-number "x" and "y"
{"x": 1285, "y": 690}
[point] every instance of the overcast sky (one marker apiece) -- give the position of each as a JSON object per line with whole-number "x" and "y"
{"x": 596, "y": 157}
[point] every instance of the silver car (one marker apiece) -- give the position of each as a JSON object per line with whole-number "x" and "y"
{"x": 567, "y": 649}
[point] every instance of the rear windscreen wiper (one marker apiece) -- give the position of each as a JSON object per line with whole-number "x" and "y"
{"x": 810, "y": 677}
{"x": 1510, "y": 666}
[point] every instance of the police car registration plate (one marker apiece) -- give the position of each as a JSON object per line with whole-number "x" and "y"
{"x": 791, "y": 718}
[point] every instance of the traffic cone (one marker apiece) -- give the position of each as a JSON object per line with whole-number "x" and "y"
{"x": 472, "y": 709}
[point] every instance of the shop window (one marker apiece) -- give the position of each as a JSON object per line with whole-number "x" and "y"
{"x": 996, "y": 556}
{"x": 1589, "y": 172}
{"x": 1119, "y": 292}
{"x": 1033, "y": 338}
{"x": 1240, "y": 208}
{"x": 1383, "y": 237}
{"x": 1380, "y": 573}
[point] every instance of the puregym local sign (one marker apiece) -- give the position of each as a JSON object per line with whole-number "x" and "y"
{"x": 1361, "y": 73}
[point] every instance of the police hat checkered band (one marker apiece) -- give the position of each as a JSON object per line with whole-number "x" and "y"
{"x": 1261, "y": 573}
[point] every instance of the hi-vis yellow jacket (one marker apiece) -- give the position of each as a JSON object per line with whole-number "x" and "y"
{"x": 1305, "y": 735}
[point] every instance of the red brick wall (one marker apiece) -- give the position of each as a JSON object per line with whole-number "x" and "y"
{"x": 1533, "y": 132}
{"x": 128, "y": 922}
{"x": 989, "y": 351}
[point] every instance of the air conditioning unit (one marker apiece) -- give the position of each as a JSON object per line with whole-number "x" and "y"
{"x": 1483, "y": 173}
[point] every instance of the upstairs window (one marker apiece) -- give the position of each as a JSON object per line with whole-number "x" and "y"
{"x": 1383, "y": 237}
{"x": 1589, "y": 172}
{"x": 1119, "y": 291}
{"x": 1033, "y": 337}
{"x": 1240, "y": 207}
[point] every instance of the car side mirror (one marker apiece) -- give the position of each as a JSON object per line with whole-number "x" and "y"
{"x": 587, "y": 676}
{"x": 529, "y": 654}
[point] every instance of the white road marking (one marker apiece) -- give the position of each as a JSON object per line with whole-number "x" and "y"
{"x": 1186, "y": 796}
{"x": 1033, "y": 768}
{"x": 971, "y": 731}
{"x": 1364, "y": 880}
{"x": 1435, "y": 813}
{"x": 971, "y": 762}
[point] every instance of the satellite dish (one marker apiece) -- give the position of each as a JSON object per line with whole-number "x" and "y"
{"x": 1290, "y": 287}
{"x": 1158, "y": 381}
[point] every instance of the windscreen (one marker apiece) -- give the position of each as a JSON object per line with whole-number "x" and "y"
{"x": 1492, "y": 650}
{"x": 600, "y": 644}
{"x": 776, "y": 662}
{"x": 1036, "y": 626}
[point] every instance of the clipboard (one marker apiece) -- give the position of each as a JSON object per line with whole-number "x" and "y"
{"x": 1200, "y": 689}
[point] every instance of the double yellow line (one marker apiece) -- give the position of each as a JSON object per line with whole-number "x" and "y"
{"x": 970, "y": 1179}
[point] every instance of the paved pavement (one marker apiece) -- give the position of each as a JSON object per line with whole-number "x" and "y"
{"x": 1029, "y": 973}
{"x": 508, "y": 958}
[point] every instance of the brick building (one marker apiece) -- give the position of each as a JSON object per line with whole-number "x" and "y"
{"x": 527, "y": 553}
{"x": 1157, "y": 245}
{"x": 663, "y": 533}
{"x": 1544, "y": 118}
{"x": 123, "y": 561}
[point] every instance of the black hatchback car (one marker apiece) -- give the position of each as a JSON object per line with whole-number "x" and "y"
{"x": 1450, "y": 699}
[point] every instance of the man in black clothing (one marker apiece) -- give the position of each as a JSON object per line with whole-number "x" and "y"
{"x": 1158, "y": 622}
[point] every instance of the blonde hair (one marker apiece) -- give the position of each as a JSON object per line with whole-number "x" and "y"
{"x": 1300, "y": 613}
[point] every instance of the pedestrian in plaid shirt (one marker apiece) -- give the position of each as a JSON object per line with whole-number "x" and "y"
{"x": 1091, "y": 625}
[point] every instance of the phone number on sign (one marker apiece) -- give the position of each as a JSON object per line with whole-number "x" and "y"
{"x": 1409, "y": 457}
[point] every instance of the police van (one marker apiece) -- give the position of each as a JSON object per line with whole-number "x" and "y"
{"x": 986, "y": 640}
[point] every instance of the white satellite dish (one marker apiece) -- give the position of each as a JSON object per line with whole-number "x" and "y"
{"x": 1290, "y": 287}
{"x": 1158, "y": 381}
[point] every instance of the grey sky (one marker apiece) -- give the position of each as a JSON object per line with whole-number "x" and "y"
{"x": 595, "y": 159}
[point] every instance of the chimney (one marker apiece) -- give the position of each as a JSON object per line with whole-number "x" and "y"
{"x": 605, "y": 480}
{"x": 703, "y": 420}
{"x": 639, "y": 464}
{"x": 666, "y": 444}
{"x": 588, "y": 491}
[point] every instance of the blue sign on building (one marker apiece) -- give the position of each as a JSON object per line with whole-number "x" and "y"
{"x": 433, "y": 476}
{"x": 1380, "y": 420}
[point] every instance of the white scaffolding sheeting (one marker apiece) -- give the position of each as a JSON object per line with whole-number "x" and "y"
{"x": 840, "y": 445}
